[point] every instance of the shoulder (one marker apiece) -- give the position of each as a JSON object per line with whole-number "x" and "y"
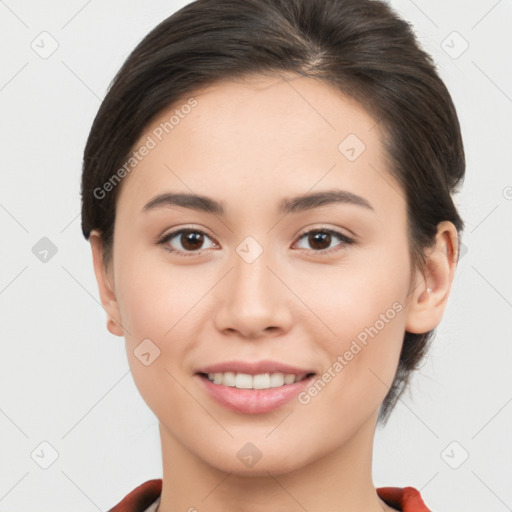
{"x": 141, "y": 498}
{"x": 405, "y": 499}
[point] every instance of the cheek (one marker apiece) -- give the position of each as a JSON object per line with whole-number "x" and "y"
{"x": 363, "y": 306}
{"x": 366, "y": 348}
{"x": 159, "y": 307}
{"x": 374, "y": 349}
{"x": 363, "y": 291}
{"x": 157, "y": 310}
{"x": 156, "y": 300}
{"x": 362, "y": 363}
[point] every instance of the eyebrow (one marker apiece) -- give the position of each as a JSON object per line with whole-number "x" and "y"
{"x": 288, "y": 205}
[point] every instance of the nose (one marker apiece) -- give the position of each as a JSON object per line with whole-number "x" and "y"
{"x": 254, "y": 300}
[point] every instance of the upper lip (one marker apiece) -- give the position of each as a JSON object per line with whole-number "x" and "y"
{"x": 254, "y": 368}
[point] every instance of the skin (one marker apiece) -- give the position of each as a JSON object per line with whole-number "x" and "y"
{"x": 249, "y": 145}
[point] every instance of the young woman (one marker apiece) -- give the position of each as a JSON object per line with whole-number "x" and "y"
{"x": 267, "y": 190}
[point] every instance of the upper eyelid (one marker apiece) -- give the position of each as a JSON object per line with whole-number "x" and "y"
{"x": 336, "y": 231}
{"x": 175, "y": 232}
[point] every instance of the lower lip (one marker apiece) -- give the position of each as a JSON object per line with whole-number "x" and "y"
{"x": 254, "y": 401}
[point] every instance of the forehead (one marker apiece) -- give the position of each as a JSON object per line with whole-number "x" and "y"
{"x": 265, "y": 135}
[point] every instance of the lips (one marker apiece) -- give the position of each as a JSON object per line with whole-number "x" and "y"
{"x": 256, "y": 368}
{"x": 253, "y": 388}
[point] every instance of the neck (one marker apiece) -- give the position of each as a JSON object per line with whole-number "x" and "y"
{"x": 337, "y": 481}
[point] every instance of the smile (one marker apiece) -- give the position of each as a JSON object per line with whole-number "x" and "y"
{"x": 253, "y": 387}
{"x": 259, "y": 381}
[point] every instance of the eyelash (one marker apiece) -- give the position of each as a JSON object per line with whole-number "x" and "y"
{"x": 166, "y": 238}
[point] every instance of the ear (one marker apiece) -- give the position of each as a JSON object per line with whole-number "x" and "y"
{"x": 431, "y": 289}
{"x": 104, "y": 278}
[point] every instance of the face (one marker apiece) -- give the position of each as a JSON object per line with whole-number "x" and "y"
{"x": 268, "y": 280}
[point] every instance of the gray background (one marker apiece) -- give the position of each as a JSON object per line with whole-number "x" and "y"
{"x": 64, "y": 379}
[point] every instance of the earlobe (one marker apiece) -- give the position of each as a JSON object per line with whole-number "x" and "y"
{"x": 432, "y": 288}
{"x": 105, "y": 283}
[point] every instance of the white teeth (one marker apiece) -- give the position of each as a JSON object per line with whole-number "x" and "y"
{"x": 243, "y": 381}
{"x": 259, "y": 381}
{"x": 229, "y": 379}
{"x": 276, "y": 380}
{"x": 289, "y": 379}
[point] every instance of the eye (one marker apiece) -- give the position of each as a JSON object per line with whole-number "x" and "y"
{"x": 190, "y": 241}
{"x": 187, "y": 240}
{"x": 321, "y": 239}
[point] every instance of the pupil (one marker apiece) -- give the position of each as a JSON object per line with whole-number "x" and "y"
{"x": 322, "y": 237}
{"x": 192, "y": 240}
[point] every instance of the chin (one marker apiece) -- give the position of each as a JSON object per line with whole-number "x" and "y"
{"x": 257, "y": 459}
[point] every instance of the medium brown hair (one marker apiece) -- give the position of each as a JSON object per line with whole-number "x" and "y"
{"x": 362, "y": 47}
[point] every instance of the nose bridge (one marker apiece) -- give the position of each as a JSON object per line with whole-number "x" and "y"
{"x": 252, "y": 279}
{"x": 252, "y": 298}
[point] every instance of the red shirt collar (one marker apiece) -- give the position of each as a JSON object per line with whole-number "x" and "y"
{"x": 406, "y": 499}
